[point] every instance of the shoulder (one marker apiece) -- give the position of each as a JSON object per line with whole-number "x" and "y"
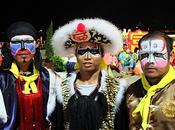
{"x": 134, "y": 85}
{"x": 136, "y": 89}
{"x": 44, "y": 72}
{"x": 6, "y": 75}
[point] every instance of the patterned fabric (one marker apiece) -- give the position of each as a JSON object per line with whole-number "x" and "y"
{"x": 110, "y": 91}
{"x": 108, "y": 123}
{"x": 94, "y": 36}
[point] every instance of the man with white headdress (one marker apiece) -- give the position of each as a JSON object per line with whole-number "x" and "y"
{"x": 90, "y": 96}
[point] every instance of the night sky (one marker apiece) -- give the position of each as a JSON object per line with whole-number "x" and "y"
{"x": 124, "y": 13}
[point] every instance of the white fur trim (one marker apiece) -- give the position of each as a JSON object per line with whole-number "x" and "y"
{"x": 70, "y": 82}
{"x": 3, "y": 113}
{"x": 59, "y": 95}
{"x": 123, "y": 84}
{"x": 52, "y": 96}
{"x": 103, "y": 82}
{"x": 102, "y": 26}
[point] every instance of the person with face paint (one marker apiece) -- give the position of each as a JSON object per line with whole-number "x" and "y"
{"x": 90, "y": 96}
{"x": 150, "y": 101}
{"x": 27, "y": 98}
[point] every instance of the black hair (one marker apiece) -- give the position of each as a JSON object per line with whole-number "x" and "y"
{"x": 169, "y": 40}
{"x": 136, "y": 49}
{"x": 19, "y": 28}
{"x": 7, "y": 57}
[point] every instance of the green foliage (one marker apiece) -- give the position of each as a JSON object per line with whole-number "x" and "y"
{"x": 59, "y": 63}
{"x": 48, "y": 46}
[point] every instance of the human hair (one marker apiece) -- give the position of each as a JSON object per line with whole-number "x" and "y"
{"x": 168, "y": 40}
{"x": 21, "y": 28}
{"x": 136, "y": 49}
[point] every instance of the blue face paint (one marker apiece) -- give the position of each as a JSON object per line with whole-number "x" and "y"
{"x": 29, "y": 45}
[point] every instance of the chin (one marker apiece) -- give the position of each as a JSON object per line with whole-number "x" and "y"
{"x": 26, "y": 61}
{"x": 89, "y": 69}
{"x": 151, "y": 75}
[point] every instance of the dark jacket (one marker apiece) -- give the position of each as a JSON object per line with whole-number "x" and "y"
{"x": 8, "y": 89}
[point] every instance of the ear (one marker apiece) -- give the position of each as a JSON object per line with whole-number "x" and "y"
{"x": 1, "y": 44}
{"x": 38, "y": 42}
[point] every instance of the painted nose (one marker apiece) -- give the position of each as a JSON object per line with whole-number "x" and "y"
{"x": 22, "y": 45}
{"x": 87, "y": 55}
{"x": 151, "y": 59}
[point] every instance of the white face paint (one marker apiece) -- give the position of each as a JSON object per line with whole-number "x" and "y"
{"x": 154, "y": 51}
{"x": 22, "y": 38}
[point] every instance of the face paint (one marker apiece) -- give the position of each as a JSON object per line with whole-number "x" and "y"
{"x": 87, "y": 52}
{"x": 22, "y": 42}
{"x": 155, "y": 52}
{"x": 93, "y": 51}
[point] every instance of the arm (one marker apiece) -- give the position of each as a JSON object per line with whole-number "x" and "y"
{"x": 55, "y": 107}
{"x": 8, "y": 102}
{"x": 3, "y": 113}
{"x": 121, "y": 117}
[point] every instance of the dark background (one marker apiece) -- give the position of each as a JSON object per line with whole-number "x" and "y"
{"x": 129, "y": 14}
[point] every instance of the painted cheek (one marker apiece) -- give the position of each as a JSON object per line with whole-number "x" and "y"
{"x": 31, "y": 48}
{"x": 15, "y": 48}
{"x": 144, "y": 61}
{"x": 161, "y": 63}
{"x": 96, "y": 55}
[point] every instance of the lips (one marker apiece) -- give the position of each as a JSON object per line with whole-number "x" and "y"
{"x": 23, "y": 52}
{"x": 150, "y": 69}
{"x": 23, "y": 55}
{"x": 87, "y": 64}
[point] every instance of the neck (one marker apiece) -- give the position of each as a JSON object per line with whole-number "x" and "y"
{"x": 156, "y": 80}
{"x": 153, "y": 81}
{"x": 89, "y": 77}
{"x": 24, "y": 67}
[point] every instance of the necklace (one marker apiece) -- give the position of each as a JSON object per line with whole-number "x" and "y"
{"x": 25, "y": 73}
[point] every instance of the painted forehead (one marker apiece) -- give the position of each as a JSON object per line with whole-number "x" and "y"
{"x": 153, "y": 45}
{"x": 22, "y": 37}
{"x": 88, "y": 44}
